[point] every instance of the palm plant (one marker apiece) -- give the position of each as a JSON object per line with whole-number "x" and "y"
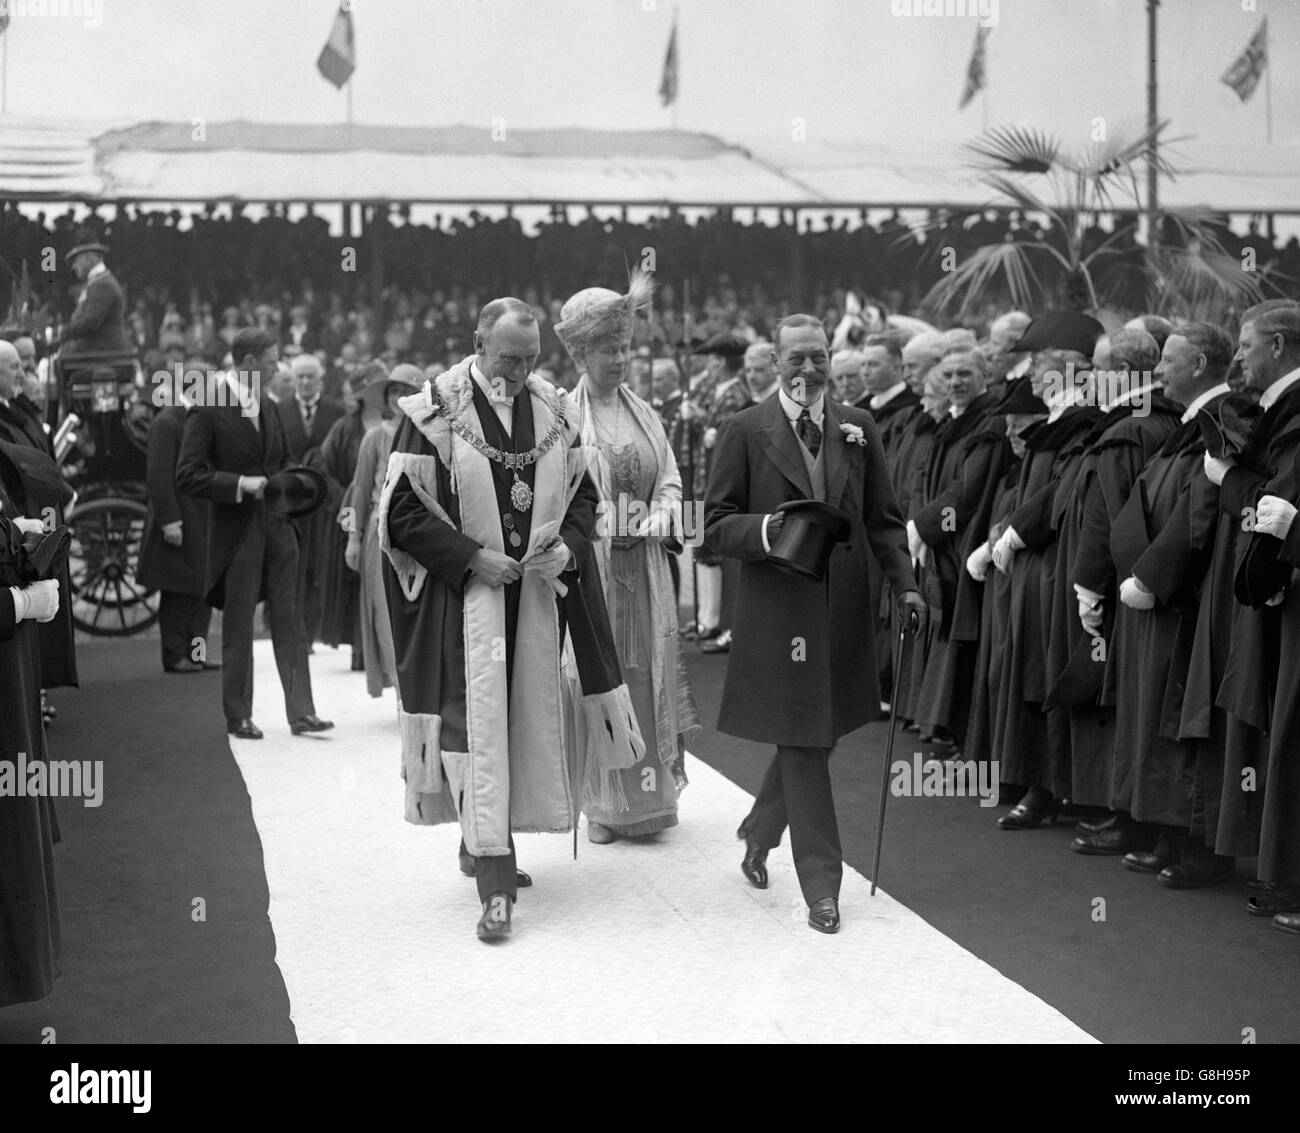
{"x": 1187, "y": 272}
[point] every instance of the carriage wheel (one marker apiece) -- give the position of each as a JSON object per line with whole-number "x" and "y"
{"x": 107, "y": 536}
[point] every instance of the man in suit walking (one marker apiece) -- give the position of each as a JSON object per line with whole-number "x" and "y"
{"x": 307, "y": 417}
{"x": 174, "y": 557}
{"x": 233, "y": 444}
{"x": 803, "y": 666}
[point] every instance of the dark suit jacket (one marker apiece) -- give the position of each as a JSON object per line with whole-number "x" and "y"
{"x": 803, "y": 661}
{"x": 302, "y": 443}
{"x": 219, "y": 446}
{"x": 181, "y": 569}
{"x": 97, "y": 325}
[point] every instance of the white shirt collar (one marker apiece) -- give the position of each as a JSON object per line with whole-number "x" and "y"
{"x": 1203, "y": 399}
{"x": 1056, "y": 406}
{"x": 98, "y": 270}
{"x": 495, "y": 395}
{"x": 793, "y": 409}
{"x": 1278, "y": 388}
{"x": 880, "y": 400}
{"x": 1125, "y": 398}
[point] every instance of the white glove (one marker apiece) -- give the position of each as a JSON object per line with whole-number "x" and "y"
{"x": 658, "y": 525}
{"x": 39, "y": 601}
{"x": 710, "y": 436}
{"x": 1090, "y": 608}
{"x": 1136, "y": 596}
{"x": 979, "y": 561}
{"x": 29, "y": 526}
{"x": 552, "y": 562}
{"x": 1216, "y": 469}
{"x": 915, "y": 544}
{"x": 1274, "y": 516}
{"x": 1277, "y": 599}
{"x": 1006, "y": 549}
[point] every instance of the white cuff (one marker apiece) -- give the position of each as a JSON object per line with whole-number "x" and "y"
{"x": 767, "y": 547}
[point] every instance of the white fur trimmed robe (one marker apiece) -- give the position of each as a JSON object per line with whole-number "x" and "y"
{"x": 465, "y": 754}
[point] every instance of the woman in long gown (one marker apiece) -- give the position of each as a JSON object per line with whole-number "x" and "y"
{"x": 363, "y": 555}
{"x": 639, "y": 526}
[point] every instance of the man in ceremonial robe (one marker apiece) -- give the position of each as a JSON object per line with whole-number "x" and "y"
{"x": 1162, "y": 568}
{"x": 1138, "y": 421}
{"x": 961, "y": 479}
{"x": 486, "y": 514}
{"x": 1259, "y": 490}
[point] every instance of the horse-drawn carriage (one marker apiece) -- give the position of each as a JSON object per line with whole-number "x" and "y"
{"x": 106, "y": 409}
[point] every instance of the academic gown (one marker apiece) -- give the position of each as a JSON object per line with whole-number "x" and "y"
{"x": 336, "y": 459}
{"x": 961, "y": 477}
{"x": 1107, "y": 474}
{"x": 29, "y": 910}
{"x": 1152, "y": 773}
{"x": 994, "y": 620}
{"x": 1260, "y": 679}
{"x": 1019, "y": 728}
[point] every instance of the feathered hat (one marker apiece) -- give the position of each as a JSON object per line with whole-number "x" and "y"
{"x": 596, "y": 314}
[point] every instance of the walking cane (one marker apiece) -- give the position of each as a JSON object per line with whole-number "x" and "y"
{"x": 909, "y": 624}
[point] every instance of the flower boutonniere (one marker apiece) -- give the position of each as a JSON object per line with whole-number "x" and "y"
{"x": 854, "y": 435}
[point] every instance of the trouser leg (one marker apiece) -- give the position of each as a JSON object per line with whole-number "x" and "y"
{"x": 287, "y": 636}
{"x": 814, "y": 832}
{"x": 173, "y": 627}
{"x": 496, "y": 874}
{"x": 767, "y": 818}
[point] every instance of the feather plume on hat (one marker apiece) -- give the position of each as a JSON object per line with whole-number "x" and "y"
{"x": 597, "y": 314}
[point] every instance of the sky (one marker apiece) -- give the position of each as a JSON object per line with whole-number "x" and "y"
{"x": 850, "y": 69}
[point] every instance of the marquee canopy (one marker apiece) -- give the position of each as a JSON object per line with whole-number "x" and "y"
{"x": 496, "y": 164}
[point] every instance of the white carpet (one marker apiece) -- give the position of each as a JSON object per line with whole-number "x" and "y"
{"x": 641, "y": 942}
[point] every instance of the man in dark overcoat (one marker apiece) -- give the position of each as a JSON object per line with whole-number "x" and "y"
{"x": 803, "y": 661}
{"x": 233, "y": 444}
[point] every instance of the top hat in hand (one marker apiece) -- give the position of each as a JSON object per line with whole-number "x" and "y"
{"x": 809, "y": 531}
{"x": 296, "y": 491}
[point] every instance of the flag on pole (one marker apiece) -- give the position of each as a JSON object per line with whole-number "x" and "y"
{"x": 668, "y": 84}
{"x": 4, "y": 17}
{"x": 975, "y": 70}
{"x": 338, "y": 58}
{"x": 1247, "y": 69}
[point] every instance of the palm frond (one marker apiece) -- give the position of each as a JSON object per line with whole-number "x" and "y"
{"x": 1013, "y": 149}
{"x": 1006, "y": 265}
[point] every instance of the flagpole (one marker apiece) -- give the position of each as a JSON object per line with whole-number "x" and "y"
{"x": 677, "y": 62}
{"x": 348, "y": 88}
{"x": 1268, "y": 89}
{"x": 4, "y": 62}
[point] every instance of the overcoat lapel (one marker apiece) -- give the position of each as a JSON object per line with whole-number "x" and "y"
{"x": 780, "y": 446}
{"x": 834, "y": 446}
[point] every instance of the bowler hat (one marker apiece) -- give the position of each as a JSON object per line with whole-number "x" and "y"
{"x": 809, "y": 531}
{"x": 1061, "y": 330}
{"x": 295, "y": 492}
{"x": 86, "y": 242}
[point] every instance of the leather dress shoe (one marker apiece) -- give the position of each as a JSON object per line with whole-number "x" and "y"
{"x": 1196, "y": 873}
{"x": 1287, "y": 922}
{"x": 184, "y": 666}
{"x": 1031, "y": 815}
{"x": 754, "y": 865}
{"x": 244, "y": 729}
{"x": 522, "y": 880}
{"x": 720, "y": 644}
{"x": 494, "y": 924}
{"x": 1096, "y": 825}
{"x": 599, "y": 834}
{"x": 1113, "y": 841}
{"x": 1283, "y": 900}
{"x": 309, "y": 723}
{"x": 824, "y": 915}
{"x": 702, "y": 634}
{"x": 1147, "y": 861}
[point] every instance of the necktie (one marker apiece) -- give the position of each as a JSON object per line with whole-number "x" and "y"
{"x": 807, "y": 431}
{"x": 308, "y": 412}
